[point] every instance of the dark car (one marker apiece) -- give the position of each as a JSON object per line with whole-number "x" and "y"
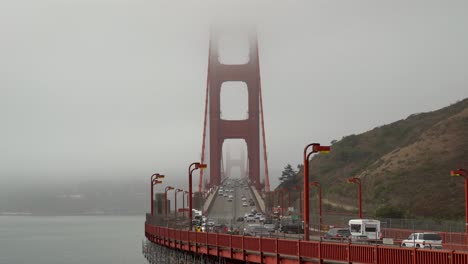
{"x": 295, "y": 228}
{"x": 240, "y": 219}
{"x": 337, "y": 233}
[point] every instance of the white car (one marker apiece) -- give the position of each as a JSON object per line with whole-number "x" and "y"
{"x": 250, "y": 218}
{"x": 244, "y": 204}
{"x": 244, "y": 199}
{"x": 423, "y": 240}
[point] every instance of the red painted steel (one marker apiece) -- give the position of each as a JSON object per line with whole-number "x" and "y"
{"x": 334, "y": 251}
{"x": 236, "y": 242}
{"x": 309, "y": 249}
{"x": 287, "y": 247}
{"x": 268, "y": 245}
{"x": 252, "y": 243}
{"x": 220, "y": 129}
{"x": 265, "y": 157}
{"x": 251, "y": 249}
{"x": 192, "y": 236}
{"x": 390, "y": 255}
{"x": 223, "y": 240}
{"x": 212, "y": 239}
{"x": 200, "y": 182}
{"x": 459, "y": 257}
{"x": 200, "y": 237}
{"x": 360, "y": 253}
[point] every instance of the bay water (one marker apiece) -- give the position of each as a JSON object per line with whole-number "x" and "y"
{"x": 71, "y": 240}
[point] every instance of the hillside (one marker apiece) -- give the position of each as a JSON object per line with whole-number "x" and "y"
{"x": 404, "y": 166}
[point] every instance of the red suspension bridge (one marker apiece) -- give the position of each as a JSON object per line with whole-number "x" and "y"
{"x": 173, "y": 238}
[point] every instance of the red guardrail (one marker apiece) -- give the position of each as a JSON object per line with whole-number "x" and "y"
{"x": 223, "y": 240}
{"x": 295, "y": 249}
{"x": 447, "y": 237}
{"x": 268, "y": 245}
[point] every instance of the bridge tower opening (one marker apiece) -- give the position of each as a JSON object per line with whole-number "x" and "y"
{"x": 234, "y": 159}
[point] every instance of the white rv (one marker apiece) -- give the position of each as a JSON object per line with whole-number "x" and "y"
{"x": 365, "y": 229}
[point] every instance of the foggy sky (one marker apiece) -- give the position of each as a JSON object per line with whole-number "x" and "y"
{"x": 101, "y": 89}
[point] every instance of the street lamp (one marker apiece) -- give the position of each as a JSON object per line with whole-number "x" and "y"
{"x": 282, "y": 198}
{"x": 358, "y": 182}
{"x": 175, "y": 203}
{"x": 315, "y": 148}
{"x": 319, "y": 187}
{"x": 168, "y": 188}
{"x": 298, "y": 188}
{"x": 154, "y": 181}
{"x": 192, "y": 167}
{"x": 277, "y": 198}
{"x": 463, "y": 173}
{"x": 281, "y": 191}
{"x": 183, "y": 202}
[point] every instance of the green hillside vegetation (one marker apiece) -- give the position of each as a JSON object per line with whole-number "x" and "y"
{"x": 404, "y": 167}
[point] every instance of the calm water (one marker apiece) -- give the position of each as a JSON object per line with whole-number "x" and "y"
{"x": 71, "y": 239}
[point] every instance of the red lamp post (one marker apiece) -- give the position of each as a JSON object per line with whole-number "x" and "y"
{"x": 277, "y": 197}
{"x": 315, "y": 148}
{"x": 192, "y": 167}
{"x": 319, "y": 187}
{"x": 358, "y": 182}
{"x": 463, "y": 173}
{"x": 282, "y": 201}
{"x": 175, "y": 203}
{"x": 168, "y": 188}
{"x": 154, "y": 181}
{"x": 298, "y": 188}
{"x": 183, "y": 202}
{"x": 289, "y": 198}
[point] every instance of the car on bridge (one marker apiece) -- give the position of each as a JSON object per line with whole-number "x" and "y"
{"x": 250, "y": 218}
{"x": 270, "y": 227}
{"x": 256, "y": 230}
{"x": 337, "y": 233}
{"x": 295, "y": 228}
{"x": 423, "y": 240}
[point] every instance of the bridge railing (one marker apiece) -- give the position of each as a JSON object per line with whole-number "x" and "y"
{"x": 296, "y": 250}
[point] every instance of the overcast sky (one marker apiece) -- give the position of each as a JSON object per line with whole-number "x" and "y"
{"x": 99, "y": 89}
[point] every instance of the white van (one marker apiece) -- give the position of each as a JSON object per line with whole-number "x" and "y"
{"x": 365, "y": 229}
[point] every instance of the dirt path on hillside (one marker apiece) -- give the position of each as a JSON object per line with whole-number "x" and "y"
{"x": 346, "y": 207}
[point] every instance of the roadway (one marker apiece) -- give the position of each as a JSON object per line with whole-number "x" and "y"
{"x": 227, "y": 212}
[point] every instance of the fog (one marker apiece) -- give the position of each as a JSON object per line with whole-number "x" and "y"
{"x": 115, "y": 90}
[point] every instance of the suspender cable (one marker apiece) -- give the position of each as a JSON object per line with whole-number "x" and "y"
{"x": 204, "y": 118}
{"x": 265, "y": 159}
